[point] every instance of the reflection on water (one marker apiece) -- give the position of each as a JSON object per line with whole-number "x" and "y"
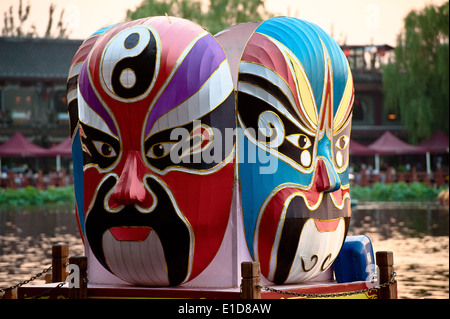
{"x": 26, "y": 239}
{"x": 401, "y": 221}
{"x": 418, "y": 236}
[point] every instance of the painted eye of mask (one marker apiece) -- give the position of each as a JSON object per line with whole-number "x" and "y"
{"x": 302, "y": 142}
{"x": 299, "y": 140}
{"x": 160, "y": 150}
{"x": 342, "y": 142}
{"x": 104, "y": 149}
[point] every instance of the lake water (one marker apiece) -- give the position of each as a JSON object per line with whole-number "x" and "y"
{"x": 419, "y": 238}
{"x": 417, "y": 235}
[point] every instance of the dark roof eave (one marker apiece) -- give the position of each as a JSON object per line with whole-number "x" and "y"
{"x": 379, "y": 46}
{"x": 31, "y": 78}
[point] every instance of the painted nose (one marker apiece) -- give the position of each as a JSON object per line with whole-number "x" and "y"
{"x": 325, "y": 179}
{"x": 130, "y": 188}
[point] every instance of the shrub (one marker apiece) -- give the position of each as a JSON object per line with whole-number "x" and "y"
{"x": 30, "y": 196}
{"x": 396, "y": 192}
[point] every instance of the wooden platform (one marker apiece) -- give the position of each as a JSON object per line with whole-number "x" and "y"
{"x": 131, "y": 292}
{"x": 250, "y": 287}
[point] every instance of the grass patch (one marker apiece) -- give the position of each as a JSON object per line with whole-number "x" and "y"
{"x": 378, "y": 192}
{"x": 396, "y": 192}
{"x": 31, "y": 196}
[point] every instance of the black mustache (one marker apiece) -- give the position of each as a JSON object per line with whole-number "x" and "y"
{"x": 297, "y": 214}
{"x": 172, "y": 231}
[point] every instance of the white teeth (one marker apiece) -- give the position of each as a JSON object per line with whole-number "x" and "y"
{"x": 140, "y": 262}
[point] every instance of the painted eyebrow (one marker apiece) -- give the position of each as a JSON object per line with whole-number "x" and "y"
{"x": 203, "y": 48}
{"x": 88, "y": 116}
{"x": 184, "y": 113}
{"x": 88, "y": 95}
{"x": 266, "y": 96}
{"x": 345, "y": 108}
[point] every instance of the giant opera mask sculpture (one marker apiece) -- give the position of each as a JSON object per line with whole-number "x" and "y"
{"x": 151, "y": 218}
{"x": 152, "y": 103}
{"x": 295, "y": 97}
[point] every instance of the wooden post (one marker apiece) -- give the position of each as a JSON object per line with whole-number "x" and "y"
{"x": 376, "y": 178}
{"x": 9, "y": 294}
{"x": 364, "y": 181}
{"x": 60, "y": 257}
{"x": 79, "y": 289}
{"x": 439, "y": 178}
{"x": 414, "y": 177}
{"x": 11, "y": 180}
{"x": 390, "y": 178}
{"x": 39, "y": 183}
{"x": 427, "y": 179}
{"x": 250, "y": 280}
{"x": 385, "y": 263}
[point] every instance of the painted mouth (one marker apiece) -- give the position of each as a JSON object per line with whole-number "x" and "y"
{"x": 130, "y": 233}
{"x": 327, "y": 225}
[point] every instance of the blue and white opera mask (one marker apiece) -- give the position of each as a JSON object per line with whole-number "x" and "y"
{"x": 295, "y": 97}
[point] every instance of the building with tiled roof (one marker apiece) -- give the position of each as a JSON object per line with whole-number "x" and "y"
{"x": 33, "y": 76}
{"x": 33, "y": 73}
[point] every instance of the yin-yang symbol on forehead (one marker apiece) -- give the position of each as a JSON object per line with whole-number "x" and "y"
{"x": 130, "y": 63}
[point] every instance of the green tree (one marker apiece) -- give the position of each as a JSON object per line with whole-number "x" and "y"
{"x": 213, "y": 15}
{"x": 416, "y": 85}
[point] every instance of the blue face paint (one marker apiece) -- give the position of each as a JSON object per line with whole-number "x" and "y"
{"x": 294, "y": 84}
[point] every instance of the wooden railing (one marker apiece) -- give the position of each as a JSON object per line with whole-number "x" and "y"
{"x": 38, "y": 180}
{"x": 363, "y": 178}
